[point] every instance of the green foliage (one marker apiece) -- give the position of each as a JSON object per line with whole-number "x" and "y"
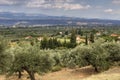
{"x": 114, "y": 51}
{"x": 76, "y": 57}
{"x": 99, "y": 58}
{"x": 73, "y": 36}
{"x": 5, "y": 57}
{"x": 51, "y": 43}
{"x": 56, "y": 68}
{"x": 92, "y": 38}
{"x": 80, "y": 32}
{"x": 86, "y": 39}
{"x": 94, "y": 31}
{"x": 44, "y": 43}
{"x": 80, "y": 54}
{"x": 94, "y": 55}
{"x": 108, "y": 38}
{"x": 65, "y": 58}
{"x": 32, "y": 60}
{"x": 72, "y": 43}
{"x": 66, "y": 32}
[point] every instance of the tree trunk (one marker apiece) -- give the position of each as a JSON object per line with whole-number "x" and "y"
{"x": 32, "y": 77}
{"x": 19, "y": 74}
{"x": 31, "y": 74}
{"x": 96, "y": 69}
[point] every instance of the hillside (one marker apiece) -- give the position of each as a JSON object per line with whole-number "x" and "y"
{"x": 86, "y": 73}
{"x": 8, "y": 19}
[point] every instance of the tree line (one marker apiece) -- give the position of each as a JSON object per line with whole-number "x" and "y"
{"x": 26, "y": 57}
{"x": 53, "y": 43}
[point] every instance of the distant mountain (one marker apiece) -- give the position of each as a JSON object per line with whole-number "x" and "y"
{"x": 16, "y": 16}
{"x": 23, "y": 16}
{"x": 9, "y": 18}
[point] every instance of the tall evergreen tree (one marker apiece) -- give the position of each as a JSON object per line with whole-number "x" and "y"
{"x": 92, "y": 38}
{"x": 80, "y": 32}
{"x": 73, "y": 39}
{"x": 86, "y": 39}
{"x": 66, "y": 32}
{"x": 73, "y": 36}
{"x": 44, "y": 43}
{"x": 65, "y": 43}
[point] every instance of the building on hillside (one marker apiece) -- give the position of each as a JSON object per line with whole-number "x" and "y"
{"x": 60, "y": 33}
{"x": 79, "y": 39}
{"x": 119, "y": 37}
{"x": 40, "y": 38}
{"x": 118, "y": 41}
{"x": 98, "y": 33}
{"x": 114, "y": 35}
{"x": 28, "y": 37}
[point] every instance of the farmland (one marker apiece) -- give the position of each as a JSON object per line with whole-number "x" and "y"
{"x": 60, "y": 53}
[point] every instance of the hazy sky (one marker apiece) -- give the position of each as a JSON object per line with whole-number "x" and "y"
{"x": 105, "y": 9}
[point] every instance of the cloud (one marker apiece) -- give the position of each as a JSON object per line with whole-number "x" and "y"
{"x": 116, "y": 1}
{"x": 59, "y": 1}
{"x": 116, "y": 12}
{"x": 13, "y": 2}
{"x": 108, "y": 10}
{"x": 68, "y": 6}
{"x": 45, "y": 4}
{"x": 113, "y": 12}
{"x": 6, "y": 2}
{"x": 1, "y": 10}
{"x": 56, "y": 4}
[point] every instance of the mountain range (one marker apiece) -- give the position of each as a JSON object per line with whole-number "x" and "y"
{"x": 10, "y": 18}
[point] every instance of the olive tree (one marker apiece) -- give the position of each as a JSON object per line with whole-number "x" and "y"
{"x": 113, "y": 49}
{"x": 66, "y": 59}
{"x": 31, "y": 60}
{"x": 98, "y": 58}
{"x": 5, "y": 58}
{"x": 80, "y": 55}
{"x": 77, "y": 57}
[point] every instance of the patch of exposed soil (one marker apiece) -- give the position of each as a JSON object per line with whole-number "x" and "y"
{"x": 67, "y": 74}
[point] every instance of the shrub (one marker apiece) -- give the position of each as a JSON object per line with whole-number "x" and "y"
{"x": 56, "y": 68}
{"x": 80, "y": 55}
{"x": 65, "y": 58}
{"x": 77, "y": 57}
{"x": 98, "y": 58}
{"x": 5, "y": 58}
{"x": 114, "y": 51}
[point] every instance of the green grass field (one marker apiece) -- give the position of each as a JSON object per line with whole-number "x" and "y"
{"x": 62, "y": 39}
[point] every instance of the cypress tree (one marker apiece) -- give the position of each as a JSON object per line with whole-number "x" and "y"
{"x": 50, "y": 43}
{"x": 80, "y": 32}
{"x": 91, "y": 38}
{"x": 73, "y": 39}
{"x": 73, "y": 36}
{"x": 44, "y": 43}
{"x": 86, "y": 40}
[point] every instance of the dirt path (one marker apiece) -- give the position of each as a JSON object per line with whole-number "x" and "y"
{"x": 112, "y": 74}
{"x": 2, "y": 77}
{"x": 86, "y": 73}
{"x": 69, "y": 74}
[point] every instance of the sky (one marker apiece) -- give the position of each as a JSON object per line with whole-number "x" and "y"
{"x": 103, "y": 9}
